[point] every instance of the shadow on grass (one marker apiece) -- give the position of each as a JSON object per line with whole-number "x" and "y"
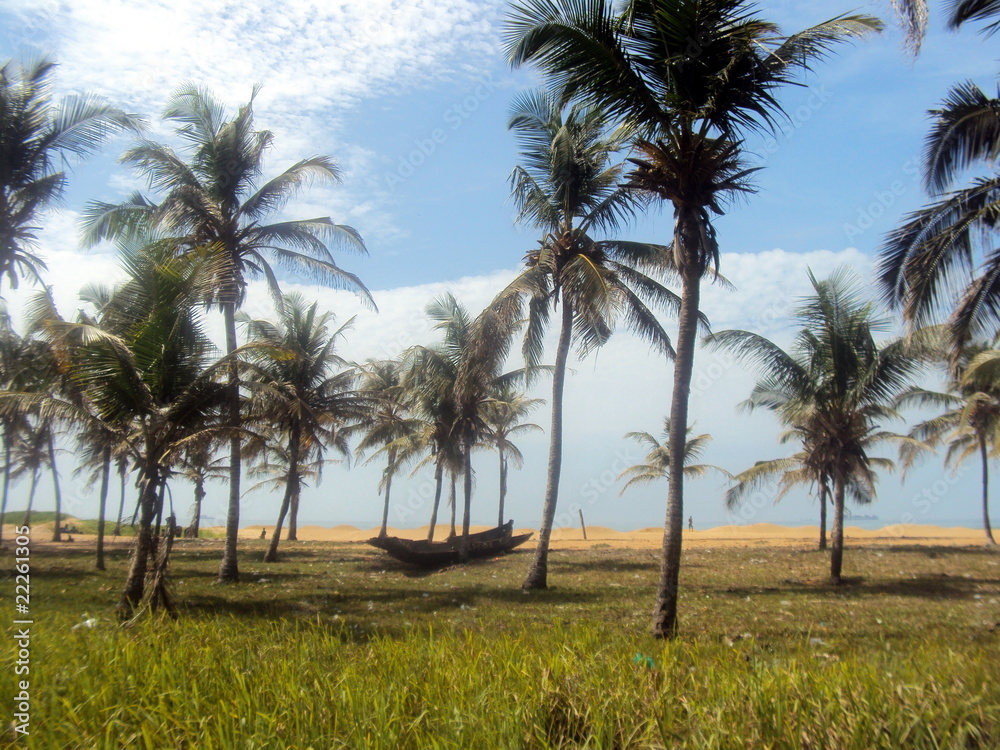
{"x": 928, "y": 586}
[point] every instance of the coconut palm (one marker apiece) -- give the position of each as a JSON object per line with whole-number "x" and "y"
{"x": 199, "y": 465}
{"x": 926, "y": 264}
{"x": 302, "y": 389}
{"x": 690, "y": 76}
{"x": 568, "y": 186}
{"x": 913, "y": 16}
{"x": 969, "y": 423}
{"x": 37, "y": 134}
{"x": 218, "y": 200}
{"x": 152, "y": 381}
{"x": 836, "y": 387}
{"x": 505, "y": 414}
{"x": 657, "y": 465}
{"x": 15, "y": 372}
{"x": 430, "y": 378}
{"x": 387, "y": 420}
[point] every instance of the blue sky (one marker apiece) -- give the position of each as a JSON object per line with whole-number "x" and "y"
{"x": 412, "y": 99}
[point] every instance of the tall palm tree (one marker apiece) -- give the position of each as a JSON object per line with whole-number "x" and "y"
{"x": 15, "y": 372}
{"x": 690, "y": 76}
{"x": 657, "y": 465}
{"x": 153, "y": 381}
{"x": 387, "y": 420}
{"x": 837, "y": 386}
{"x": 505, "y": 414}
{"x": 37, "y": 134}
{"x": 429, "y": 376}
{"x": 926, "y": 264}
{"x": 217, "y": 199}
{"x": 302, "y": 390}
{"x": 568, "y": 186}
{"x": 969, "y": 424}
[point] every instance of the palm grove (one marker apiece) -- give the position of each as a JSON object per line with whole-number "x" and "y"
{"x": 645, "y": 102}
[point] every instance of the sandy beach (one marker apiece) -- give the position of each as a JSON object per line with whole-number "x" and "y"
{"x": 652, "y": 537}
{"x": 602, "y": 537}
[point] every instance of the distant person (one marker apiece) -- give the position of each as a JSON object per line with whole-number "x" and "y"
{"x": 690, "y": 523}
{"x": 263, "y": 533}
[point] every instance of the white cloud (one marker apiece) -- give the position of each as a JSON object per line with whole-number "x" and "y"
{"x": 623, "y": 388}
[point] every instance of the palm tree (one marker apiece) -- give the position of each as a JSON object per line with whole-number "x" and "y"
{"x": 217, "y": 200}
{"x": 387, "y": 420}
{"x": 690, "y": 76}
{"x": 199, "y": 465}
{"x": 15, "y": 371}
{"x": 969, "y": 424}
{"x": 152, "y": 381}
{"x": 567, "y": 186}
{"x": 926, "y": 264}
{"x": 913, "y": 16}
{"x": 657, "y": 465}
{"x": 835, "y": 387}
{"x": 36, "y": 136}
{"x": 302, "y": 391}
{"x": 505, "y": 412}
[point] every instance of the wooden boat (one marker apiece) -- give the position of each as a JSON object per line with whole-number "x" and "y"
{"x": 426, "y": 554}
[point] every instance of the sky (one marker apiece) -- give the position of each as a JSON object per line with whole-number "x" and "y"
{"x": 412, "y": 99}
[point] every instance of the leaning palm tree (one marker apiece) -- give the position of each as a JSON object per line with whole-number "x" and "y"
{"x": 37, "y": 134}
{"x": 837, "y": 386}
{"x": 658, "y": 463}
{"x": 303, "y": 391}
{"x": 218, "y": 200}
{"x": 942, "y": 260}
{"x": 505, "y": 414}
{"x": 568, "y": 186}
{"x": 690, "y": 76}
{"x": 199, "y": 465}
{"x": 969, "y": 423}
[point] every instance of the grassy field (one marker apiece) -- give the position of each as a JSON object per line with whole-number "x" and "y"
{"x": 339, "y": 647}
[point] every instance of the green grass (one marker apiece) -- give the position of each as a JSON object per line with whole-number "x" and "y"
{"x": 339, "y": 647}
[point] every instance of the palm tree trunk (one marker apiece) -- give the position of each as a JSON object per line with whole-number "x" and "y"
{"x": 537, "y": 577}
{"x": 293, "y": 519}
{"x": 105, "y": 481}
{"x": 6, "y": 478}
{"x": 837, "y": 533}
{"x": 383, "y": 531}
{"x": 199, "y": 498}
{"x": 822, "y": 513}
{"x": 31, "y": 498}
{"x": 291, "y": 491}
{"x": 665, "y": 614}
{"x": 229, "y": 571}
{"x": 438, "y": 481}
{"x": 121, "y": 500}
{"x": 57, "y": 534}
{"x": 453, "y": 501}
{"x": 135, "y": 582}
{"x": 463, "y": 546}
{"x": 503, "y": 486}
{"x": 986, "y": 483}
